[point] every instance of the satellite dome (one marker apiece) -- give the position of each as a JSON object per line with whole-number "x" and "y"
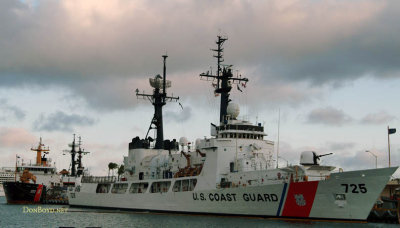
{"x": 198, "y": 141}
{"x": 233, "y": 110}
{"x": 183, "y": 141}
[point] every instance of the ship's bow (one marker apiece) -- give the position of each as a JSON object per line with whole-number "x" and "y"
{"x": 23, "y": 193}
{"x": 350, "y": 195}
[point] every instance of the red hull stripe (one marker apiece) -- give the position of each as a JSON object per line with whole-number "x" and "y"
{"x": 38, "y": 193}
{"x": 299, "y": 199}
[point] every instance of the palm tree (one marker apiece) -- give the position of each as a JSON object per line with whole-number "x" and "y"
{"x": 112, "y": 166}
{"x": 121, "y": 170}
{"x": 115, "y": 166}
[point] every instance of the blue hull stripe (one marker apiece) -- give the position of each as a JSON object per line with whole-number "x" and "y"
{"x": 282, "y": 198}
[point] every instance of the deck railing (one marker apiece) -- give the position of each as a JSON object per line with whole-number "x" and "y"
{"x": 99, "y": 179}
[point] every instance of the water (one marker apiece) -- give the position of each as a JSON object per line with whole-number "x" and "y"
{"x": 24, "y": 216}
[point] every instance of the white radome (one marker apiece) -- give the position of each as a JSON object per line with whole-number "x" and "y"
{"x": 198, "y": 141}
{"x": 183, "y": 141}
{"x": 233, "y": 110}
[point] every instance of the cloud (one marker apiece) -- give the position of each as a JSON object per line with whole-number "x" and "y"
{"x": 377, "y": 118}
{"x": 97, "y": 50}
{"x": 328, "y": 116}
{"x": 60, "y": 121}
{"x": 99, "y": 157}
{"x": 340, "y": 146}
{"x": 16, "y": 138}
{"x": 10, "y": 111}
{"x": 179, "y": 115}
{"x": 278, "y": 93}
{"x": 363, "y": 160}
{"x": 327, "y": 42}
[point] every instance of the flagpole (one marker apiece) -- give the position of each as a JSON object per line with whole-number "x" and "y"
{"x": 388, "y": 144}
{"x": 277, "y": 149}
{"x": 15, "y": 174}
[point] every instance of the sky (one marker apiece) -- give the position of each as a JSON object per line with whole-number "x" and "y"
{"x": 330, "y": 68}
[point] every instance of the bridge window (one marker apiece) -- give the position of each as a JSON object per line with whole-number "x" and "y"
{"x": 119, "y": 188}
{"x": 139, "y": 187}
{"x": 184, "y": 185}
{"x": 160, "y": 186}
{"x": 103, "y": 188}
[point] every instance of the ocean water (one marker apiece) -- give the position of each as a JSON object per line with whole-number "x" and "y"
{"x": 64, "y": 216}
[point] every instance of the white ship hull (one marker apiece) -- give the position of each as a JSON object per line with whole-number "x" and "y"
{"x": 232, "y": 172}
{"x": 315, "y": 199}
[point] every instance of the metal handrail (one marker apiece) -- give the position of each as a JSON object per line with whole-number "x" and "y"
{"x": 99, "y": 179}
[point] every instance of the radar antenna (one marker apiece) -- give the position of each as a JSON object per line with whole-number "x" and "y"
{"x": 158, "y": 100}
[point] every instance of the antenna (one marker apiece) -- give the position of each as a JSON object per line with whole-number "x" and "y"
{"x": 164, "y": 76}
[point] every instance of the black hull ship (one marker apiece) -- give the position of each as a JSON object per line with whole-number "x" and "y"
{"x": 24, "y": 193}
{"x": 40, "y": 183}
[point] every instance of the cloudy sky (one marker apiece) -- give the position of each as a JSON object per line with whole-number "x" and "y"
{"x": 332, "y": 68}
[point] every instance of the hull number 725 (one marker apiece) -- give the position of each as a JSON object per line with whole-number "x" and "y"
{"x": 354, "y": 188}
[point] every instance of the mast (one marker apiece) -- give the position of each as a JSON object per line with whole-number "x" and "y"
{"x": 80, "y": 153}
{"x": 158, "y": 100}
{"x": 41, "y": 148}
{"x": 73, "y": 153}
{"x": 224, "y": 79}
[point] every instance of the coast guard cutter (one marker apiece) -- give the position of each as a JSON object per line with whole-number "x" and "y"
{"x": 230, "y": 173}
